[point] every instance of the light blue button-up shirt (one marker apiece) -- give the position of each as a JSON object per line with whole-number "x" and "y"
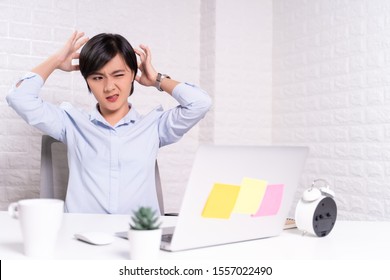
{"x": 111, "y": 168}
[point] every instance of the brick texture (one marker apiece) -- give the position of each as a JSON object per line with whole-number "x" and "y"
{"x": 330, "y": 87}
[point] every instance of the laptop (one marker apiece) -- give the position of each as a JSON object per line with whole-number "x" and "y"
{"x": 236, "y": 193}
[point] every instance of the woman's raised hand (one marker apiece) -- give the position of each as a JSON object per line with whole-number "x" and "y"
{"x": 148, "y": 73}
{"x": 69, "y": 52}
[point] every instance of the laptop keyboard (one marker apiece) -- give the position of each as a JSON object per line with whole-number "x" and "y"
{"x": 166, "y": 237}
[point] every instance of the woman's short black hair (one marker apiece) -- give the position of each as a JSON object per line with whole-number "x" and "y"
{"x": 100, "y": 49}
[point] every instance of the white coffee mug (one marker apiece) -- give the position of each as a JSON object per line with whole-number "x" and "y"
{"x": 40, "y": 221}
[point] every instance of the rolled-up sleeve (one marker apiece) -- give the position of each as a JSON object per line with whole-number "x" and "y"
{"x": 194, "y": 103}
{"x": 25, "y": 100}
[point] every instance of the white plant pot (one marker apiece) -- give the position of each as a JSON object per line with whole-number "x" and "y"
{"x": 144, "y": 244}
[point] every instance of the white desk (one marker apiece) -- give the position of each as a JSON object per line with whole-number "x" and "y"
{"x": 348, "y": 240}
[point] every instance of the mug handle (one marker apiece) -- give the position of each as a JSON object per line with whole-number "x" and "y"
{"x": 13, "y": 210}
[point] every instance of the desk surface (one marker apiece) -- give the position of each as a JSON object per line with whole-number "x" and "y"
{"x": 348, "y": 240}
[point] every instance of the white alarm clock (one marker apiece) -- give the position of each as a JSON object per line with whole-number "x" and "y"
{"x": 316, "y": 211}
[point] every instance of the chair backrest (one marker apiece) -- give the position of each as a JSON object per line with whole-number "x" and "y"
{"x": 55, "y": 171}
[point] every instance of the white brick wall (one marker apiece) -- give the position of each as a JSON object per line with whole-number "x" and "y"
{"x": 331, "y": 92}
{"x": 243, "y": 72}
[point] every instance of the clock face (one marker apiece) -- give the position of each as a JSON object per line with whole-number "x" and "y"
{"x": 324, "y": 216}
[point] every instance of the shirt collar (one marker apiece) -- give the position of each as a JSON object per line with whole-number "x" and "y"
{"x": 131, "y": 117}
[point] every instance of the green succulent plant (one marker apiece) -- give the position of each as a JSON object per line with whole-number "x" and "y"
{"x": 145, "y": 219}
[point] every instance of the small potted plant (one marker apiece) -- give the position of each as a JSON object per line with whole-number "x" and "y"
{"x": 144, "y": 234}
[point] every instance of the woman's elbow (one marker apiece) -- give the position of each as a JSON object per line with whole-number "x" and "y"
{"x": 206, "y": 103}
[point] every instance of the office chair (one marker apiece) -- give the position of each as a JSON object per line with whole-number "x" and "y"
{"x": 55, "y": 172}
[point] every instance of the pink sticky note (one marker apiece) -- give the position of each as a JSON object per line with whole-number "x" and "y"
{"x": 271, "y": 202}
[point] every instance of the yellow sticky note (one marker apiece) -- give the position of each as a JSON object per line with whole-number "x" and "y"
{"x": 220, "y": 201}
{"x": 251, "y": 194}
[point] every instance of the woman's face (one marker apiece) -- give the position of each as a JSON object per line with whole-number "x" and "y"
{"x": 111, "y": 86}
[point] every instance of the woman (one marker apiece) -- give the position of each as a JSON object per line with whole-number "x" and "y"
{"x": 111, "y": 150}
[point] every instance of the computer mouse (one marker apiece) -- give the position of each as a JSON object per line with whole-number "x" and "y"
{"x": 95, "y": 238}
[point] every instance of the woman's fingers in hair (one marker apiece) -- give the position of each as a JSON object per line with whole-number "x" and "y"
{"x": 79, "y": 40}
{"x": 140, "y": 53}
{"x": 141, "y": 56}
{"x": 148, "y": 74}
{"x": 145, "y": 48}
{"x": 144, "y": 52}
